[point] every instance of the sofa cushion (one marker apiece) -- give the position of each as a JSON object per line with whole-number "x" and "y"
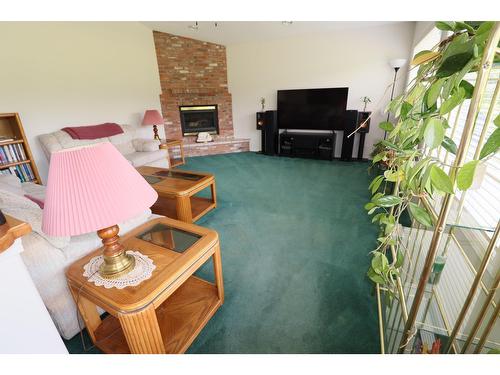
{"x": 11, "y": 183}
{"x": 65, "y": 140}
{"x": 142, "y": 158}
{"x": 123, "y": 142}
{"x": 143, "y": 145}
{"x": 35, "y": 190}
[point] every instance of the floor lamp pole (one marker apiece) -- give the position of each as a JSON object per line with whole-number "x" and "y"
{"x": 392, "y": 96}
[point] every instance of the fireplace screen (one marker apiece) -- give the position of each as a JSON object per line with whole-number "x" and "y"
{"x": 197, "y": 119}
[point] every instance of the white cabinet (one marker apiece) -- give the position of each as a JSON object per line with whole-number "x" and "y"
{"x": 25, "y": 324}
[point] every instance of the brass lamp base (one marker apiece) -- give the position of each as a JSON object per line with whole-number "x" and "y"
{"x": 116, "y": 262}
{"x": 116, "y": 266}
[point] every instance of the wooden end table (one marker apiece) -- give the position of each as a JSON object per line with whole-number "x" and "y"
{"x": 168, "y": 145}
{"x": 165, "y": 313}
{"x": 176, "y": 192}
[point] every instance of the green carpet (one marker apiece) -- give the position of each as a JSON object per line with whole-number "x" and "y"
{"x": 295, "y": 241}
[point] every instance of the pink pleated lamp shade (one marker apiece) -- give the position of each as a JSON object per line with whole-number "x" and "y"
{"x": 152, "y": 117}
{"x": 91, "y": 188}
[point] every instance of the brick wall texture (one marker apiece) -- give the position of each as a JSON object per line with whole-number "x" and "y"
{"x": 192, "y": 72}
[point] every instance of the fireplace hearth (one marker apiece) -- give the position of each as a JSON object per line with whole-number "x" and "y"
{"x": 199, "y": 118}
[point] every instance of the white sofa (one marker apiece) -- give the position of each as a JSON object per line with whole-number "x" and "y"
{"x": 138, "y": 151}
{"x": 48, "y": 257}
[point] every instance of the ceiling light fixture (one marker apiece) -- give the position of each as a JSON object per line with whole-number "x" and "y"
{"x": 196, "y": 26}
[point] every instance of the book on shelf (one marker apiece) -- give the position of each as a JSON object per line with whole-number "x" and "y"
{"x": 12, "y": 153}
{"x": 22, "y": 171}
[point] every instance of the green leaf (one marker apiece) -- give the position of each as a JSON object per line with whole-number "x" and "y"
{"x": 492, "y": 144}
{"x": 417, "y": 168}
{"x": 378, "y": 157}
{"x": 449, "y": 145}
{"x": 420, "y": 214}
{"x": 416, "y": 93}
{"x": 393, "y": 176}
{"x": 447, "y": 87}
{"x": 496, "y": 121}
{"x": 454, "y": 64}
{"x": 387, "y": 201}
{"x": 440, "y": 180}
{"x": 459, "y": 26}
{"x": 424, "y": 57}
{"x": 456, "y": 56}
{"x": 483, "y": 31}
{"x": 446, "y": 25}
{"x": 468, "y": 88}
{"x": 434, "y": 91}
{"x": 386, "y": 125}
{"x": 377, "y": 181}
{"x": 405, "y": 109}
{"x": 458, "y": 77}
{"x": 379, "y": 263}
{"x": 389, "y": 221}
{"x": 395, "y": 105}
{"x": 391, "y": 145}
{"x": 434, "y": 132}
{"x": 369, "y": 206}
{"x": 452, "y": 101}
{"x": 375, "y": 277}
{"x": 465, "y": 175}
{"x": 399, "y": 259}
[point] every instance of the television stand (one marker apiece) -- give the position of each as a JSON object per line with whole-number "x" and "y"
{"x": 307, "y": 145}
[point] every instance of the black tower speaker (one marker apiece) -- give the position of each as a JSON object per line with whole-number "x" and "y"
{"x": 363, "y": 116}
{"x": 260, "y": 120}
{"x": 270, "y": 133}
{"x": 350, "y": 123}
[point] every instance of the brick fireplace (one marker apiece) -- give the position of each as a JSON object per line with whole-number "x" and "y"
{"x": 193, "y": 73}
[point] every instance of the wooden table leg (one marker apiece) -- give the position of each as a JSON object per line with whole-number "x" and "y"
{"x": 182, "y": 153}
{"x": 142, "y": 332}
{"x": 183, "y": 207}
{"x": 214, "y": 193}
{"x": 218, "y": 273}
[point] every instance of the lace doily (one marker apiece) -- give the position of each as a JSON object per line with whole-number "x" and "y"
{"x": 142, "y": 271}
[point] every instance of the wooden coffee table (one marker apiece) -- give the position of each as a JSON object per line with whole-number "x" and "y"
{"x": 164, "y": 313}
{"x": 176, "y": 192}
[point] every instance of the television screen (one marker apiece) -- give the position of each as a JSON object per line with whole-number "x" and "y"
{"x": 319, "y": 109}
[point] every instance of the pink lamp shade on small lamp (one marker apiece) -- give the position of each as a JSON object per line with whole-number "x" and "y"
{"x": 92, "y": 188}
{"x": 153, "y": 117}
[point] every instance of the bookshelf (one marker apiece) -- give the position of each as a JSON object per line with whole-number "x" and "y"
{"x": 15, "y": 153}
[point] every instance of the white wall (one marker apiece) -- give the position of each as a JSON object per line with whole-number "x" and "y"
{"x": 355, "y": 58}
{"x": 79, "y": 73}
{"x": 422, "y": 28}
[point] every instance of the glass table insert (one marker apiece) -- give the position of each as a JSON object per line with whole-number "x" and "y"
{"x": 169, "y": 238}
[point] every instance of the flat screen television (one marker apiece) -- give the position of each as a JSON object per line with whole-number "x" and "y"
{"x": 312, "y": 109}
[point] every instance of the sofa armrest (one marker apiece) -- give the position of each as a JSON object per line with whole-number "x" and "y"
{"x": 145, "y": 145}
{"x": 49, "y": 143}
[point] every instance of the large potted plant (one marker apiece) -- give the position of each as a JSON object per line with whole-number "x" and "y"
{"x": 407, "y": 157}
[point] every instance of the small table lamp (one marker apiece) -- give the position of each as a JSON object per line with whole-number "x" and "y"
{"x": 92, "y": 188}
{"x": 153, "y": 117}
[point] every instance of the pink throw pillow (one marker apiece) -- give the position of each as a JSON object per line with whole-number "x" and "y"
{"x": 36, "y": 200}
